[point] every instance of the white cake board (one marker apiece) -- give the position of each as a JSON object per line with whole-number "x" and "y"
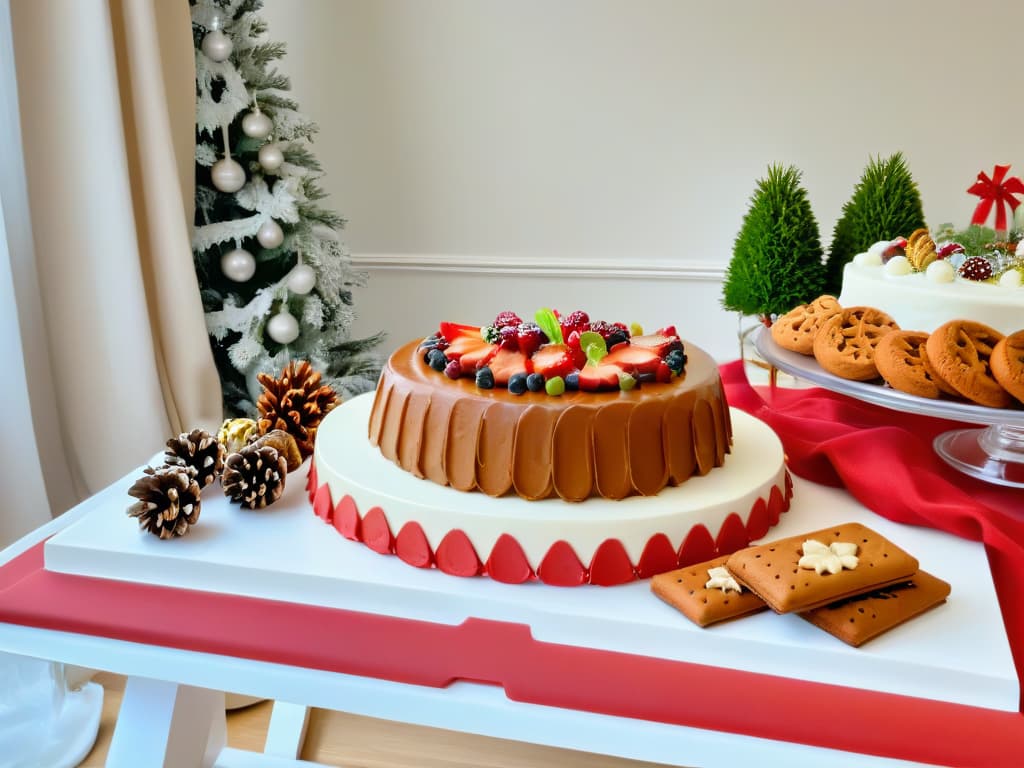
{"x": 958, "y": 652}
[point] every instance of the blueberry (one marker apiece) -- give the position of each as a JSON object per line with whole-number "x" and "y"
{"x": 572, "y": 380}
{"x": 485, "y": 378}
{"x": 517, "y": 383}
{"x": 436, "y": 359}
{"x": 617, "y": 336}
{"x": 430, "y": 342}
{"x": 535, "y": 382}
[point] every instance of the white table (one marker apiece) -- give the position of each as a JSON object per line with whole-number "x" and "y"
{"x": 173, "y": 712}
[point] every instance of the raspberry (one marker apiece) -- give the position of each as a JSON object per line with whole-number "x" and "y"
{"x": 976, "y": 268}
{"x": 508, "y": 337}
{"x": 453, "y": 370}
{"x": 507, "y": 318}
{"x": 577, "y": 321}
{"x": 530, "y": 338}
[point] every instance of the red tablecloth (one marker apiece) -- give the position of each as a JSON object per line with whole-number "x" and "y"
{"x": 885, "y": 459}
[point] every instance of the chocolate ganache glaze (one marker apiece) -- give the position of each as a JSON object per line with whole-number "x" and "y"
{"x": 611, "y": 444}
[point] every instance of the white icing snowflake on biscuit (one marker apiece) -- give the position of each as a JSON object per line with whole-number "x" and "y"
{"x": 832, "y": 558}
{"x": 720, "y": 578}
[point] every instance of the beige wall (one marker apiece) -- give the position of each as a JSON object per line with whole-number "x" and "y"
{"x": 628, "y": 135}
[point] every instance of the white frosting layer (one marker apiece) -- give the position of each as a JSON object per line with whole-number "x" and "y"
{"x": 922, "y": 304}
{"x": 347, "y": 462}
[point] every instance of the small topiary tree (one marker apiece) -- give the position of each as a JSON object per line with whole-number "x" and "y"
{"x": 885, "y": 204}
{"x": 776, "y": 262}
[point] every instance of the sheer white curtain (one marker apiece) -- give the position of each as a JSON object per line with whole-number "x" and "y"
{"x": 113, "y": 350}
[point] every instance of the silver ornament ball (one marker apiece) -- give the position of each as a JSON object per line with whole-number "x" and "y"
{"x": 283, "y": 327}
{"x": 217, "y": 46}
{"x": 270, "y": 234}
{"x": 301, "y": 279}
{"x": 238, "y": 265}
{"x": 227, "y": 175}
{"x": 257, "y": 125}
{"x": 271, "y": 157}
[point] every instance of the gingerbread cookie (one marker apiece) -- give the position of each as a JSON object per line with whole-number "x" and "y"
{"x": 706, "y": 593}
{"x": 845, "y": 344}
{"x": 1007, "y": 363}
{"x": 804, "y": 572}
{"x": 898, "y": 358}
{"x": 856, "y": 620}
{"x": 944, "y": 388}
{"x": 961, "y": 351}
{"x": 796, "y": 329}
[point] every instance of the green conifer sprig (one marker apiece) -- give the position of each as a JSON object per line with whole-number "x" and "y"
{"x": 885, "y": 204}
{"x": 776, "y": 263}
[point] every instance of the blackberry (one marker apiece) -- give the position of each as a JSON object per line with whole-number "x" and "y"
{"x": 612, "y": 333}
{"x": 676, "y": 361}
{"x": 618, "y": 336}
{"x": 517, "y": 383}
{"x": 437, "y": 359}
{"x": 535, "y": 382}
{"x": 572, "y": 381}
{"x": 485, "y": 378}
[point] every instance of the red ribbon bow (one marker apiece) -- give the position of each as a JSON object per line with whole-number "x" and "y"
{"x": 996, "y": 191}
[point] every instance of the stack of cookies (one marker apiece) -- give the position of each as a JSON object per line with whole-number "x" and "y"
{"x": 848, "y": 580}
{"x": 961, "y": 359}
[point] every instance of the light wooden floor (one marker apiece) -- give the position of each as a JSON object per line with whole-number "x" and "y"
{"x": 352, "y": 741}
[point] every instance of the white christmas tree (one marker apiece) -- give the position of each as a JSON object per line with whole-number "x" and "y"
{"x": 276, "y": 278}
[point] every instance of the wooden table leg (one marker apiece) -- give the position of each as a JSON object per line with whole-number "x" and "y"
{"x": 165, "y": 725}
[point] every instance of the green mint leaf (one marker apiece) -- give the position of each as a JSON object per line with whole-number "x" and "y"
{"x": 549, "y": 324}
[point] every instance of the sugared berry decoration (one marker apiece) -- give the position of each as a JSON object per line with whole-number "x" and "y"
{"x": 507, "y": 318}
{"x": 508, "y": 337}
{"x": 626, "y": 382}
{"x": 485, "y": 378}
{"x": 517, "y": 383}
{"x": 555, "y": 386}
{"x": 531, "y": 337}
{"x": 434, "y": 342}
{"x": 612, "y": 333}
{"x": 453, "y": 370}
{"x": 535, "y": 382}
{"x": 976, "y": 268}
{"x": 676, "y": 361}
{"x": 578, "y": 321}
{"x": 490, "y": 334}
{"x": 572, "y": 381}
{"x": 437, "y": 360}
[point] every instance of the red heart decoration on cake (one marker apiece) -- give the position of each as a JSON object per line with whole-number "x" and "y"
{"x": 658, "y": 556}
{"x": 322, "y": 504}
{"x": 560, "y": 566}
{"x": 411, "y": 546}
{"x": 732, "y": 536}
{"x": 376, "y": 533}
{"x": 697, "y": 547}
{"x": 508, "y": 563}
{"x": 776, "y": 505}
{"x": 758, "y": 522}
{"x": 346, "y": 518}
{"x": 611, "y": 565}
{"x": 455, "y": 555}
{"x": 311, "y": 480}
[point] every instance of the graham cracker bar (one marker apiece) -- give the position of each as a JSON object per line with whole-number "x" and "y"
{"x": 855, "y": 620}
{"x": 804, "y": 572}
{"x": 686, "y": 590}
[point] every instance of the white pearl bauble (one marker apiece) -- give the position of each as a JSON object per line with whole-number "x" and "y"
{"x": 256, "y": 125}
{"x": 283, "y": 327}
{"x": 271, "y": 157}
{"x": 217, "y": 46}
{"x": 301, "y": 279}
{"x": 877, "y": 249}
{"x": 270, "y": 234}
{"x": 940, "y": 271}
{"x": 898, "y": 265}
{"x": 1011, "y": 278}
{"x": 238, "y": 265}
{"x": 868, "y": 259}
{"x": 227, "y": 175}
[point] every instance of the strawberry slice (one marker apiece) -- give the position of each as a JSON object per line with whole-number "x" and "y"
{"x": 553, "y": 360}
{"x": 598, "y": 377}
{"x": 632, "y": 359}
{"x": 658, "y": 343}
{"x": 453, "y": 331}
{"x": 506, "y": 362}
{"x": 471, "y": 352}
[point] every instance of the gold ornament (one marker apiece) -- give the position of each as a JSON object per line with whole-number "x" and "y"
{"x": 234, "y": 434}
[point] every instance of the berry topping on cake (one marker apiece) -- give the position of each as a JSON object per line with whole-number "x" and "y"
{"x": 484, "y": 378}
{"x": 472, "y": 351}
{"x": 507, "y": 318}
{"x": 556, "y": 386}
{"x": 632, "y": 359}
{"x": 490, "y": 334}
{"x": 676, "y": 361}
{"x": 612, "y": 333}
{"x": 976, "y": 268}
{"x": 506, "y": 363}
{"x": 553, "y": 360}
{"x": 453, "y": 370}
{"x": 535, "y": 382}
{"x": 508, "y": 337}
{"x": 530, "y": 338}
{"x": 578, "y": 321}
{"x": 517, "y": 383}
{"x": 452, "y": 331}
{"x": 594, "y": 378}
{"x": 436, "y": 359}
{"x": 572, "y": 381}
{"x": 626, "y": 382}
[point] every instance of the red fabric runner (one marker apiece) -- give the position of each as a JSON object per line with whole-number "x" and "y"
{"x": 885, "y": 459}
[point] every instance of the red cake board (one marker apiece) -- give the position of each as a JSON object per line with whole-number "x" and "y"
{"x": 505, "y": 654}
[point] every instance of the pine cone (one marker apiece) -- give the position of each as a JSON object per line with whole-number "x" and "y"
{"x": 283, "y": 443}
{"x": 199, "y": 451}
{"x": 254, "y": 477}
{"x": 168, "y": 501}
{"x": 296, "y": 403}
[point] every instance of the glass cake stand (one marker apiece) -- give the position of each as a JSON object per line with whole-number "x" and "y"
{"x": 994, "y": 453}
